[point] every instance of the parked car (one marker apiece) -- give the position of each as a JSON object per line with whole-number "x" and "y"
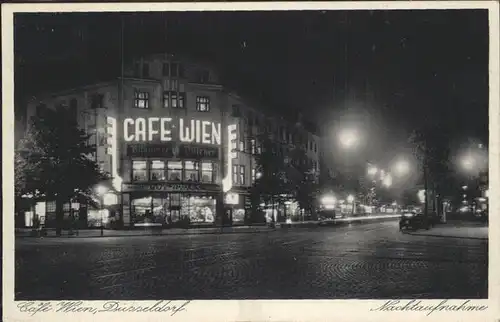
{"x": 414, "y": 221}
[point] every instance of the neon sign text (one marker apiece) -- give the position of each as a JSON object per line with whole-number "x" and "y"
{"x": 160, "y": 128}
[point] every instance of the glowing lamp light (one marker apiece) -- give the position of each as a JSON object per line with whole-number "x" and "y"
{"x": 421, "y": 195}
{"x": 402, "y": 167}
{"x": 350, "y": 199}
{"x": 110, "y": 199}
{"x": 387, "y": 181}
{"x": 328, "y": 200}
{"x": 348, "y": 138}
{"x": 468, "y": 163}
{"x": 372, "y": 171}
{"x": 101, "y": 190}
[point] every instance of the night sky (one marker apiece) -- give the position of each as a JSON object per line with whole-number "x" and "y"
{"x": 388, "y": 71}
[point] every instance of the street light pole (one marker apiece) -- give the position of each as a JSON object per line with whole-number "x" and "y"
{"x": 102, "y": 209}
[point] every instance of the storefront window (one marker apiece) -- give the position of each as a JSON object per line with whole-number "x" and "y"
{"x": 174, "y": 171}
{"x": 200, "y": 209}
{"x": 157, "y": 170}
{"x": 207, "y": 172}
{"x": 139, "y": 171}
{"x": 191, "y": 171}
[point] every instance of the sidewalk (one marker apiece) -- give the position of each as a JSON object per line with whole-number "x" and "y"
{"x": 456, "y": 229}
{"x": 89, "y": 233}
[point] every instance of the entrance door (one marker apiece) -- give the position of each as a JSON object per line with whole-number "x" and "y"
{"x": 175, "y": 215}
{"x": 228, "y": 217}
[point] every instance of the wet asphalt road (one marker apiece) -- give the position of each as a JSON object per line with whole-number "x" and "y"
{"x": 350, "y": 262}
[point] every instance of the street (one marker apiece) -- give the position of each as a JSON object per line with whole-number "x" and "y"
{"x": 372, "y": 260}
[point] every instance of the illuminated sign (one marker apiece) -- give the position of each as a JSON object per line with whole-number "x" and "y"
{"x": 170, "y": 150}
{"x": 176, "y": 187}
{"x": 161, "y": 129}
{"x": 227, "y": 182}
{"x": 112, "y": 150}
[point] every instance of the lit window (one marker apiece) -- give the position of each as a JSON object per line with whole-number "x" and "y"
{"x": 252, "y": 146}
{"x": 139, "y": 171}
{"x": 235, "y": 174}
{"x": 157, "y": 170}
{"x": 242, "y": 146}
{"x": 242, "y": 174}
{"x": 174, "y": 169}
{"x": 141, "y": 99}
{"x": 173, "y": 99}
{"x": 207, "y": 172}
{"x": 202, "y": 104}
{"x": 254, "y": 174}
{"x": 191, "y": 171}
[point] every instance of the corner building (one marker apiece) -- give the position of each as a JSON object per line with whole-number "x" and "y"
{"x": 178, "y": 145}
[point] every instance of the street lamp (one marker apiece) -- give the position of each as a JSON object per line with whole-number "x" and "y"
{"x": 101, "y": 191}
{"x": 387, "y": 181}
{"x": 372, "y": 170}
{"x": 402, "y": 167}
{"x": 348, "y": 138}
{"x": 468, "y": 162}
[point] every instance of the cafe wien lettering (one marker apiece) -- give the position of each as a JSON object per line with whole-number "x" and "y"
{"x": 162, "y": 129}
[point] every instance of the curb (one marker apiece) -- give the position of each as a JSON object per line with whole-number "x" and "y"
{"x": 280, "y": 227}
{"x": 151, "y": 234}
{"x": 449, "y": 236}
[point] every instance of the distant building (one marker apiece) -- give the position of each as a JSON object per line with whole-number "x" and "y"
{"x": 177, "y": 143}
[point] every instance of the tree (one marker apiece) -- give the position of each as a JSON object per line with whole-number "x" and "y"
{"x": 272, "y": 182}
{"x": 431, "y": 147}
{"x": 54, "y": 160}
{"x": 303, "y": 180}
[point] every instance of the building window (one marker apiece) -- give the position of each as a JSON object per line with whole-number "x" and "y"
{"x": 315, "y": 147}
{"x": 145, "y": 70}
{"x": 236, "y": 111}
{"x": 252, "y": 146}
{"x": 204, "y": 76}
{"x": 137, "y": 70}
{"x": 173, "y": 99}
{"x": 141, "y": 99}
{"x": 174, "y": 69}
{"x": 97, "y": 101}
{"x": 207, "y": 172}
{"x": 235, "y": 173}
{"x": 191, "y": 171}
{"x": 254, "y": 175}
{"x": 202, "y": 104}
{"x": 242, "y": 145}
{"x": 157, "y": 170}
{"x": 166, "y": 69}
{"x": 174, "y": 171}
{"x": 242, "y": 174}
{"x": 139, "y": 171}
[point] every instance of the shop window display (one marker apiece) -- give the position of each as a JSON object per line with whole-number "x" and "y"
{"x": 174, "y": 171}
{"x": 173, "y": 208}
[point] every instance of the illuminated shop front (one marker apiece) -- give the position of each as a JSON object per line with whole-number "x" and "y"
{"x": 164, "y": 204}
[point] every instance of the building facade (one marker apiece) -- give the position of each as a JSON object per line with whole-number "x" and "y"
{"x": 178, "y": 146}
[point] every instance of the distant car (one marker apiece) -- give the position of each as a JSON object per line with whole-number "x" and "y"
{"x": 414, "y": 221}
